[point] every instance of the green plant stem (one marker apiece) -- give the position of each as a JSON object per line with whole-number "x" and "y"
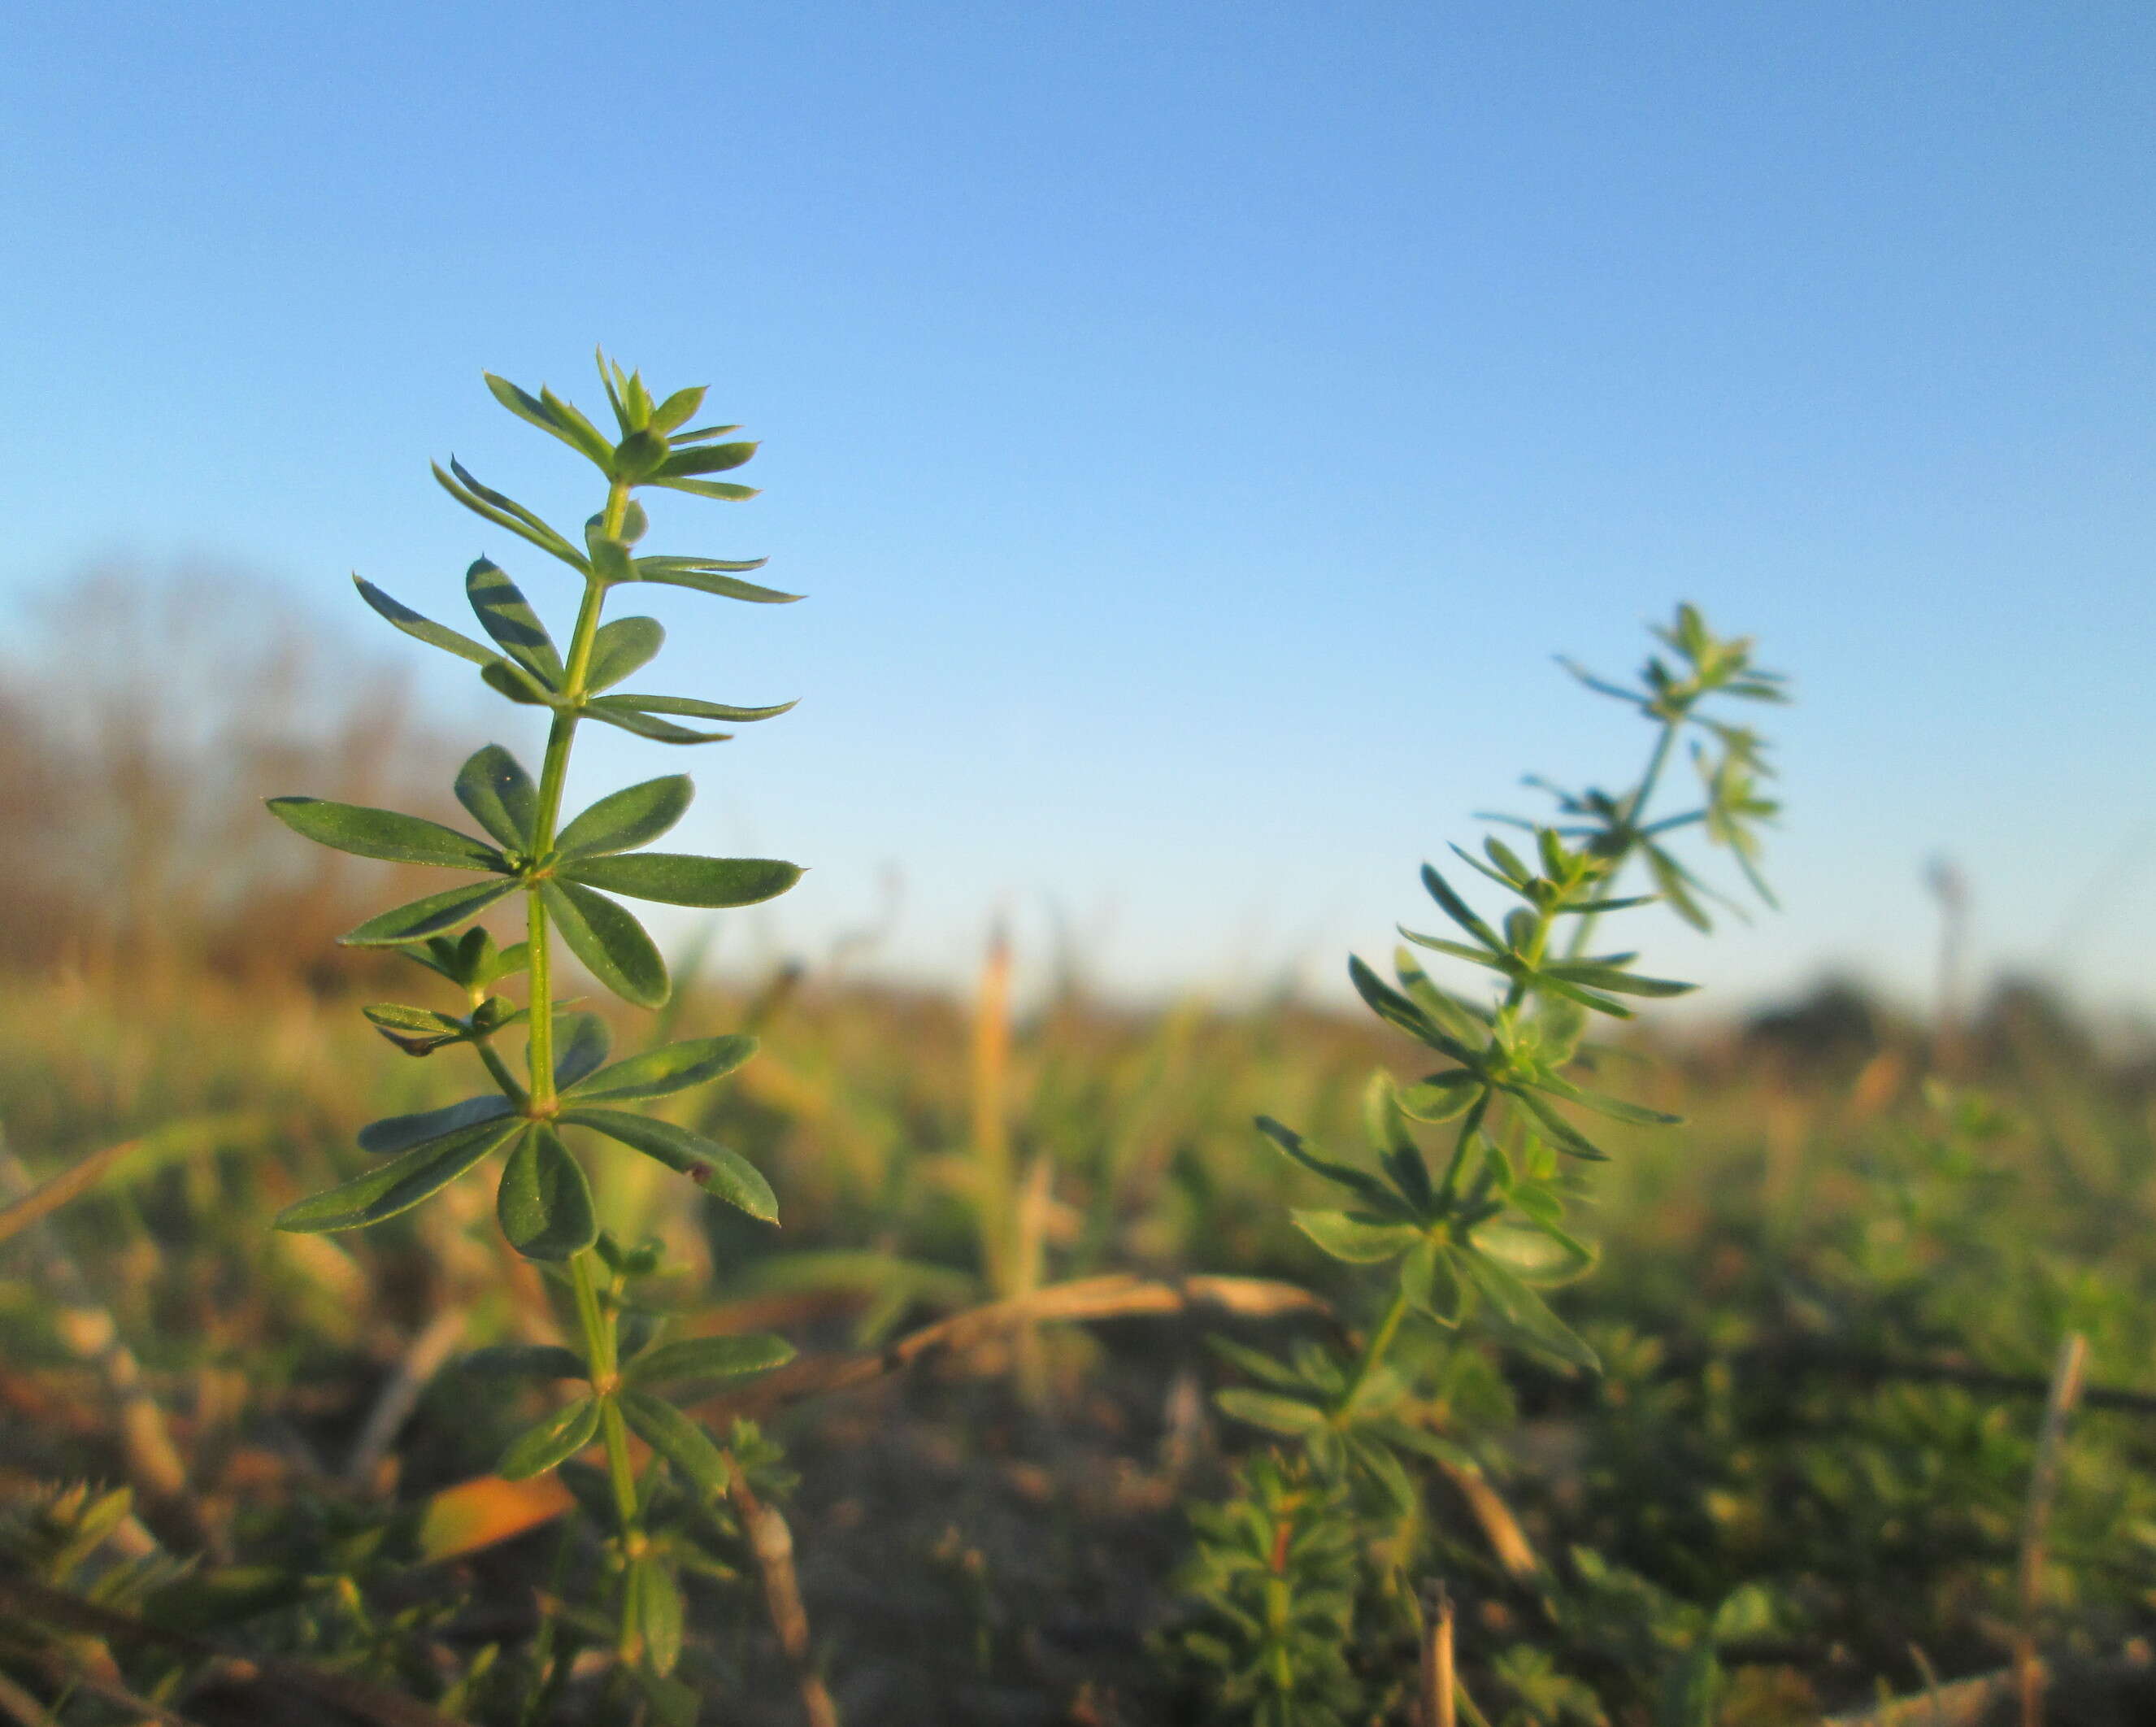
{"x": 1636, "y": 807}
{"x": 511, "y": 1086}
{"x": 597, "y": 1327}
{"x": 1374, "y": 1352}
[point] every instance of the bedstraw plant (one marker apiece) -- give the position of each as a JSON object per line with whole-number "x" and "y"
{"x": 1477, "y": 1232}
{"x": 563, "y": 875}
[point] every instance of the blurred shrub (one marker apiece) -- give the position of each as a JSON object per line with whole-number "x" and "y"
{"x": 143, "y": 721}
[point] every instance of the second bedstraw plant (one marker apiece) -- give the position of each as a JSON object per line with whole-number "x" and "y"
{"x": 1319, "y": 1549}
{"x": 561, "y": 875}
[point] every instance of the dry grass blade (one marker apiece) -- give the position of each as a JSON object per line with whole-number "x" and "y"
{"x": 1115, "y": 1295}
{"x": 1436, "y": 1675}
{"x": 71, "y": 1183}
{"x": 2043, "y": 1487}
{"x": 19, "y": 1706}
{"x": 773, "y": 1543}
{"x": 400, "y": 1395}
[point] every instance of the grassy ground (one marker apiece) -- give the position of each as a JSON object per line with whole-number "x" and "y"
{"x": 1828, "y": 1307}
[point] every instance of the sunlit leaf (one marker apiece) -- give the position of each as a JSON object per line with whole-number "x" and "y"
{"x": 620, "y": 648}
{"x": 544, "y": 1203}
{"x": 1360, "y": 1240}
{"x": 493, "y": 785}
{"x": 401, "y": 1132}
{"x": 425, "y": 629}
{"x": 634, "y": 816}
{"x": 1269, "y": 1409}
{"x": 655, "y": 1610}
{"x": 384, "y": 834}
{"x": 710, "y": 1358}
{"x": 435, "y": 915}
{"x": 673, "y": 1068}
{"x": 710, "y": 575}
{"x": 678, "y": 879}
{"x": 616, "y": 710}
{"x": 535, "y": 1361}
{"x": 723, "y": 1173}
{"x": 1525, "y": 1311}
{"x": 507, "y": 616}
{"x": 400, "y": 1184}
{"x": 611, "y": 942}
{"x": 679, "y": 1440}
{"x": 551, "y": 1441}
{"x": 580, "y": 1043}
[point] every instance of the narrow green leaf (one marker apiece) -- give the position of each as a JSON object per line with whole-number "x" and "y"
{"x": 399, "y": 1184}
{"x": 679, "y": 1440}
{"x": 507, "y": 616}
{"x": 1568, "y": 1138}
{"x": 1359, "y": 1241}
{"x": 1432, "y": 1283}
{"x": 1525, "y": 1310}
{"x": 1496, "y": 958}
{"x": 655, "y": 1612}
{"x": 678, "y": 408}
{"x": 1532, "y": 1253}
{"x": 721, "y": 489}
{"x": 432, "y": 916}
{"x": 544, "y": 1202}
{"x": 554, "y": 417}
{"x": 610, "y": 942}
{"x": 634, "y": 816}
{"x": 1458, "y": 910}
{"x": 706, "y": 459}
{"x": 551, "y": 1441}
{"x": 672, "y": 1067}
{"x": 1398, "y": 1010}
{"x": 535, "y": 1361}
{"x": 1269, "y": 1409}
{"x": 710, "y": 575}
{"x": 400, "y": 1133}
{"x": 1259, "y": 1365}
{"x": 1609, "y": 973}
{"x": 1440, "y": 1097}
{"x": 493, "y": 786}
{"x": 624, "y": 646}
{"x": 385, "y": 833}
{"x": 672, "y": 1703}
{"x": 710, "y": 1358}
{"x": 723, "y": 1173}
{"x": 416, "y": 1031}
{"x": 524, "y": 406}
{"x": 1356, "y": 1181}
{"x": 580, "y": 1043}
{"x": 578, "y": 432}
{"x": 507, "y": 678}
{"x": 1461, "y": 1019}
{"x": 616, "y": 713}
{"x": 689, "y": 707}
{"x": 504, "y": 512}
{"x": 425, "y": 629}
{"x": 1616, "y": 1109}
{"x": 678, "y": 879}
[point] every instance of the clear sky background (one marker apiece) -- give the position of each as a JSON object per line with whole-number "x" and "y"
{"x": 1196, "y": 424}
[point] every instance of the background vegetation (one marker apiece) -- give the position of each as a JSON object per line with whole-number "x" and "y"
{"x": 1828, "y": 1311}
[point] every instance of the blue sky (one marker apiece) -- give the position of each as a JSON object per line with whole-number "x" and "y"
{"x": 1196, "y": 426}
